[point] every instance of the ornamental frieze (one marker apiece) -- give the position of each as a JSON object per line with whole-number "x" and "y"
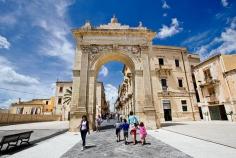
{"x": 95, "y": 51}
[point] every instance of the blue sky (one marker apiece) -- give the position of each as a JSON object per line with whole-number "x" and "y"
{"x": 37, "y": 47}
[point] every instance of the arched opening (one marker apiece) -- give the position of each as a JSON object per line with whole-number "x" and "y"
{"x": 124, "y": 101}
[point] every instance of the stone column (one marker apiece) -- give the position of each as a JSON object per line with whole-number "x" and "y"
{"x": 79, "y": 101}
{"x": 157, "y": 105}
{"x": 92, "y": 99}
{"x": 149, "y": 109}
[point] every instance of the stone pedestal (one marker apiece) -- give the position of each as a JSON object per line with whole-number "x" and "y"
{"x": 152, "y": 121}
{"x": 75, "y": 120}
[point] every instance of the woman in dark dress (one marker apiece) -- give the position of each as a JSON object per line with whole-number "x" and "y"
{"x": 84, "y": 129}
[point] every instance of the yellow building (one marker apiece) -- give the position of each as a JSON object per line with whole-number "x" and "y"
{"x": 216, "y": 84}
{"x": 33, "y": 107}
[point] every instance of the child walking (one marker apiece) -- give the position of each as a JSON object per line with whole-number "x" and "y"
{"x": 125, "y": 128}
{"x": 118, "y": 126}
{"x": 142, "y": 132}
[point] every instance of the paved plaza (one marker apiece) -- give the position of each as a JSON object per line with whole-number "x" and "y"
{"x": 221, "y": 132}
{"x": 185, "y": 139}
{"x": 42, "y": 131}
{"x": 103, "y": 144}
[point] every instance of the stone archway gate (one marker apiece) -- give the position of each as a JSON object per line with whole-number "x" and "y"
{"x": 97, "y": 46}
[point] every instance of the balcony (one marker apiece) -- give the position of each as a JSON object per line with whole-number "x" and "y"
{"x": 212, "y": 99}
{"x": 164, "y": 70}
{"x": 164, "y": 88}
{"x": 210, "y": 82}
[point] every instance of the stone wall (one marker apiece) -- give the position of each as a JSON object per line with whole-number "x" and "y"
{"x": 6, "y": 118}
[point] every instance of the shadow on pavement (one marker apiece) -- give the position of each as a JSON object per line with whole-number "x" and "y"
{"x": 166, "y": 124}
{"x": 90, "y": 146}
{"x": 107, "y": 127}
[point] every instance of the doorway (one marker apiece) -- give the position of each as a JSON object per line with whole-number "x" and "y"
{"x": 218, "y": 112}
{"x": 167, "y": 110}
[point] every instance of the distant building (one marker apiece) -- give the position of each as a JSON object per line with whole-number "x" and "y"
{"x": 216, "y": 84}
{"x": 124, "y": 103}
{"x": 101, "y": 104}
{"x": 62, "y": 108}
{"x": 4, "y": 110}
{"x": 33, "y": 107}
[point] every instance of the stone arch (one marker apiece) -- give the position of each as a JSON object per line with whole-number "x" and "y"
{"x": 113, "y": 56}
{"x": 113, "y": 42}
{"x": 94, "y": 69}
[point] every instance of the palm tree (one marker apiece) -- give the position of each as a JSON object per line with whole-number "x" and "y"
{"x": 67, "y": 96}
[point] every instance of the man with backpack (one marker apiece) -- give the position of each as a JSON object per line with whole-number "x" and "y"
{"x": 133, "y": 122}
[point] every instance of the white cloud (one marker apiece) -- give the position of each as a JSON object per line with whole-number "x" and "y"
{"x": 51, "y": 26}
{"x": 14, "y": 85}
{"x": 165, "y": 5}
{"x": 103, "y": 71}
{"x": 55, "y": 41}
{"x": 4, "y": 43}
{"x": 224, "y": 44}
{"x": 51, "y": 17}
{"x": 225, "y": 3}
{"x": 111, "y": 95}
{"x": 10, "y": 76}
{"x": 165, "y": 14}
{"x": 197, "y": 39}
{"x": 166, "y": 31}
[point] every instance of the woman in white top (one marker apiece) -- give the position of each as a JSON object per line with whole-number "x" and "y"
{"x": 84, "y": 129}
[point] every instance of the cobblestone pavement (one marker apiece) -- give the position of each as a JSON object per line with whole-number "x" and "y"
{"x": 103, "y": 144}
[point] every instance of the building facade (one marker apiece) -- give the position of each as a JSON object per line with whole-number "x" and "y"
{"x": 62, "y": 107}
{"x": 124, "y": 103}
{"x": 33, "y": 107}
{"x": 174, "y": 82}
{"x": 216, "y": 84}
{"x": 101, "y": 103}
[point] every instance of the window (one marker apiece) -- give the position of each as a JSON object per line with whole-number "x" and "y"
{"x": 59, "y": 100}
{"x": 46, "y": 102}
{"x": 184, "y": 105}
{"x": 180, "y": 81}
{"x": 61, "y": 89}
{"x": 161, "y": 61}
{"x": 177, "y": 62}
{"x": 207, "y": 74}
{"x": 164, "y": 84}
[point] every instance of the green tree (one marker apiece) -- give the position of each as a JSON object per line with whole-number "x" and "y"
{"x": 68, "y": 96}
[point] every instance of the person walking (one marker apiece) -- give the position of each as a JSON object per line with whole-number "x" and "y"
{"x": 108, "y": 118}
{"x": 133, "y": 122}
{"x": 98, "y": 123}
{"x": 125, "y": 127}
{"x": 84, "y": 129}
{"x": 142, "y": 132}
{"x": 118, "y": 126}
